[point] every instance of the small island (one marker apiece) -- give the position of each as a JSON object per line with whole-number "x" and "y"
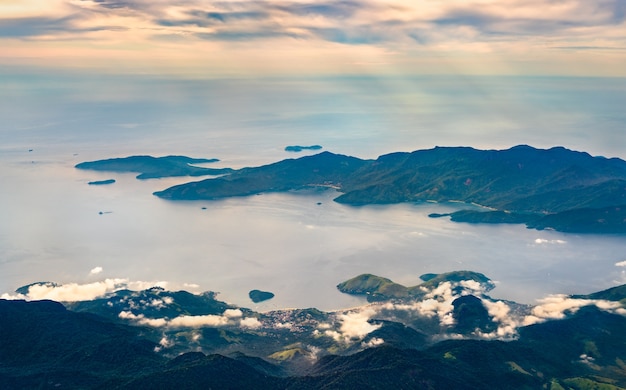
{"x": 101, "y": 182}
{"x": 150, "y": 167}
{"x": 299, "y": 148}
{"x": 259, "y": 296}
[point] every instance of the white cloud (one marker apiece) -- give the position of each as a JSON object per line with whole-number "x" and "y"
{"x": 350, "y": 326}
{"x": 233, "y": 313}
{"x": 209, "y": 320}
{"x": 95, "y": 271}
{"x": 250, "y": 323}
{"x": 556, "y": 307}
{"x": 355, "y": 325}
{"x": 286, "y": 325}
{"x": 621, "y": 263}
{"x": 165, "y": 342}
{"x": 140, "y": 319}
{"x": 473, "y": 286}
{"x": 73, "y": 292}
{"x": 198, "y": 321}
{"x": 374, "y": 342}
{"x": 334, "y": 335}
{"x": 540, "y": 241}
{"x": 501, "y": 313}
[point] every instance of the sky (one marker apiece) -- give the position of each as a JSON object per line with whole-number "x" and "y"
{"x": 199, "y": 38}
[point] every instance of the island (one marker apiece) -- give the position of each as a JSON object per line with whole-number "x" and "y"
{"x": 299, "y": 148}
{"x": 259, "y": 296}
{"x": 150, "y": 167}
{"x": 376, "y": 288}
{"x": 554, "y": 188}
{"x": 101, "y": 182}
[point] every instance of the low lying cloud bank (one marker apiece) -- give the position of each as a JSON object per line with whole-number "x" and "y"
{"x": 230, "y": 317}
{"x": 435, "y": 308}
{"x": 74, "y": 292}
{"x": 556, "y": 307}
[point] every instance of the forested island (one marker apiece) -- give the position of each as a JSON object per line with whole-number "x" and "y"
{"x": 150, "y": 167}
{"x": 555, "y": 188}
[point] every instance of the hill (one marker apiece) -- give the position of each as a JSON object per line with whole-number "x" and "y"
{"x": 46, "y": 346}
{"x": 325, "y": 169}
{"x": 556, "y": 188}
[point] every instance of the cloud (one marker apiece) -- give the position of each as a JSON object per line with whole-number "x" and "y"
{"x": 348, "y": 22}
{"x": 621, "y": 264}
{"x": 437, "y": 303}
{"x": 250, "y": 323}
{"x": 197, "y": 321}
{"x": 140, "y": 319}
{"x": 246, "y": 36}
{"x": 556, "y": 307}
{"x": 353, "y": 325}
{"x": 95, "y": 271}
{"x": 33, "y": 27}
{"x": 501, "y": 314}
{"x": 73, "y": 292}
{"x": 233, "y": 313}
{"x": 374, "y": 342}
{"x": 541, "y": 241}
{"x": 356, "y": 325}
{"x": 230, "y": 317}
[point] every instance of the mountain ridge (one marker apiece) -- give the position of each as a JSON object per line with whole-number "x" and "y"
{"x": 554, "y": 188}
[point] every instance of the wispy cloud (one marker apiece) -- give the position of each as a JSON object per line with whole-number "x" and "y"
{"x": 230, "y": 317}
{"x": 398, "y": 31}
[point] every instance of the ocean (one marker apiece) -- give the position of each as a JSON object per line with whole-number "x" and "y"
{"x": 55, "y": 227}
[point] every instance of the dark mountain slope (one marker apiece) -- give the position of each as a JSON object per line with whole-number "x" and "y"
{"x": 587, "y": 348}
{"x": 206, "y": 372}
{"x": 43, "y": 344}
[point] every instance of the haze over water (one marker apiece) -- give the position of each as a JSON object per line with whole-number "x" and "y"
{"x": 51, "y": 227}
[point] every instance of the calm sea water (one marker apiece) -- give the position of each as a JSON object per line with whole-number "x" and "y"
{"x": 51, "y": 227}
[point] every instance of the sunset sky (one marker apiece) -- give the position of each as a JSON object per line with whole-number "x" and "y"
{"x": 251, "y": 38}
